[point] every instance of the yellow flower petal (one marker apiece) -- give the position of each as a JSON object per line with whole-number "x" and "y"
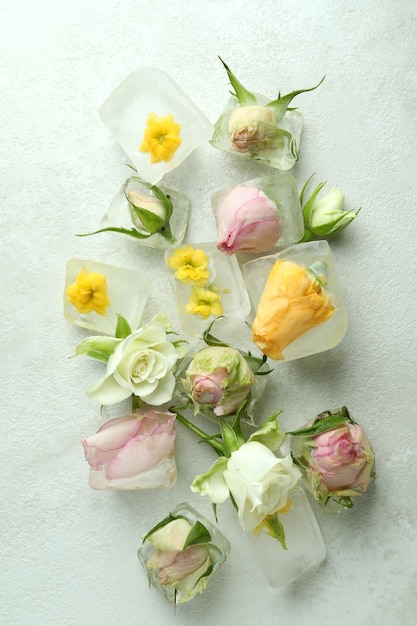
{"x": 205, "y": 303}
{"x": 292, "y": 303}
{"x": 89, "y": 293}
{"x": 161, "y": 137}
{"x": 190, "y": 265}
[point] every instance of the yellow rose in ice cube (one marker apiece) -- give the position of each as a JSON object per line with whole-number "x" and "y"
{"x": 293, "y": 301}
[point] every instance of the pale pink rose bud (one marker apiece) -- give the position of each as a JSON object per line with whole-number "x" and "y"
{"x": 336, "y": 458}
{"x": 207, "y": 388}
{"x": 344, "y": 459}
{"x": 247, "y": 221}
{"x": 252, "y": 128}
{"x": 218, "y": 380}
{"x": 133, "y": 452}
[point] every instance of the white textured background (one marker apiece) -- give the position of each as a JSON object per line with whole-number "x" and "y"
{"x": 68, "y": 553}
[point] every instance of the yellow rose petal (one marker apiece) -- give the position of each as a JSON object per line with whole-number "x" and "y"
{"x": 292, "y": 303}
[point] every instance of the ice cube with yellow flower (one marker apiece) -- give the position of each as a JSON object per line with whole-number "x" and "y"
{"x": 154, "y": 121}
{"x": 96, "y": 293}
{"x": 206, "y": 284}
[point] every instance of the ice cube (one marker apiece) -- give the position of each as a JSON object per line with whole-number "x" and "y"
{"x": 305, "y": 545}
{"x": 322, "y": 337}
{"x": 127, "y": 293}
{"x": 126, "y": 110}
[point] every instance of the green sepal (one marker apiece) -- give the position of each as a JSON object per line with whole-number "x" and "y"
{"x": 100, "y": 348}
{"x": 197, "y": 535}
{"x": 123, "y": 328}
{"x": 210, "y": 339}
{"x": 275, "y": 529}
{"x": 164, "y": 198}
{"x": 214, "y": 507}
{"x": 152, "y": 222}
{"x": 324, "y": 422}
{"x": 280, "y": 105}
{"x": 242, "y": 95}
{"x": 255, "y": 363}
{"x": 309, "y": 205}
{"x": 167, "y": 520}
{"x": 132, "y": 232}
{"x": 270, "y": 434}
{"x": 231, "y": 439}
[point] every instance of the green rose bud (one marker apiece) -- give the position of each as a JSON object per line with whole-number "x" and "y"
{"x": 325, "y": 217}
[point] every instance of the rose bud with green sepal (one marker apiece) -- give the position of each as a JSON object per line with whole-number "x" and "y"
{"x": 182, "y": 553}
{"x": 324, "y": 217}
{"x": 336, "y": 458}
{"x": 218, "y": 379}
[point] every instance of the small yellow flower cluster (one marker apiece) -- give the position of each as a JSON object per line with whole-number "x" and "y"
{"x": 89, "y": 292}
{"x": 161, "y": 137}
{"x": 191, "y": 268}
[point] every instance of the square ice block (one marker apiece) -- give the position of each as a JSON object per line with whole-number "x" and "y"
{"x": 121, "y": 215}
{"x": 222, "y": 293}
{"x": 323, "y": 336}
{"x": 284, "y": 152}
{"x": 126, "y": 112}
{"x": 281, "y": 189}
{"x": 305, "y": 545}
{"x": 125, "y": 292}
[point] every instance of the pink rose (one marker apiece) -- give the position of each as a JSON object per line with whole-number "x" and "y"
{"x": 344, "y": 460}
{"x": 218, "y": 380}
{"x": 133, "y": 452}
{"x": 207, "y": 388}
{"x": 247, "y": 221}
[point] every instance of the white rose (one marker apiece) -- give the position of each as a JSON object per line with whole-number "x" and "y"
{"x": 258, "y": 481}
{"x": 142, "y": 364}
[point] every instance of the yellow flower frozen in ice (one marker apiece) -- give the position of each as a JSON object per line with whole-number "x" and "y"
{"x": 190, "y": 265}
{"x": 293, "y": 301}
{"x": 89, "y": 293}
{"x": 204, "y": 302}
{"x": 161, "y": 137}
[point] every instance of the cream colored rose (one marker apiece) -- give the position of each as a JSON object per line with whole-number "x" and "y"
{"x": 142, "y": 364}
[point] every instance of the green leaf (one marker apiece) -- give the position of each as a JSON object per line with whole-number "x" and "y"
{"x": 197, "y": 535}
{"x": 122, "y": 328}
{"x": 132, "y": 232}
{"x": 242, "y": 95}
{"x": 280, "y": 105}
{"x": 255, "y": 363}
